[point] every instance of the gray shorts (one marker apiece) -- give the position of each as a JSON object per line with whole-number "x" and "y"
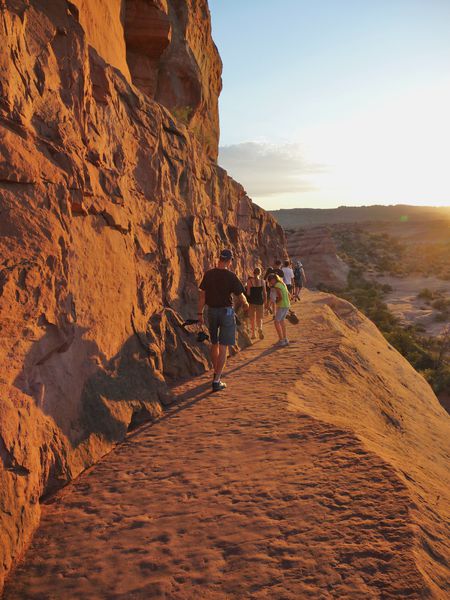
{"x": 222, "y": 326}
{"x": 281, "y": 313}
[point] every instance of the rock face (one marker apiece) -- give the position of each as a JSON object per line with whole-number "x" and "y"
{"x": 165, "y": 48}
{"x": 173, "y": 60}
{"x": 317, "y": 251}
{"x": 110, "y": 210}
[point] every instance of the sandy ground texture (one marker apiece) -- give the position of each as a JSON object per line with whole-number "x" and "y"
{"x": 255, "y": 493}
{"x": 405, "y": 304}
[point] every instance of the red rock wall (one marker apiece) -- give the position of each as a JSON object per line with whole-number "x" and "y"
{"x": 174, "y": 60}
{"x": 103, "y": 25}
{"x": 110, "y": 209}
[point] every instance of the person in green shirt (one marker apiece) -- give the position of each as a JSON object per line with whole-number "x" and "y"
{"x": 282, "y": 307}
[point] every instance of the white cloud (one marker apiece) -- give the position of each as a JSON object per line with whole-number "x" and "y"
{"x": 268, "y": 169}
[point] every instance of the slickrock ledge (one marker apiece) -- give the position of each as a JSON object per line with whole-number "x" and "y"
{"x": 111, "y": 207}
{"x": 321, "y": 472}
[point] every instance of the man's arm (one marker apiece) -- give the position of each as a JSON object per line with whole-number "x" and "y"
{"x": 242, "y": 299}
{"x": 238, "y": 290}
{"x": 201, "y": 305}
{"x": 303, "y": 275}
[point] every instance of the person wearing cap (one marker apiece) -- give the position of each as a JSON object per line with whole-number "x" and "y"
{"x": 299, "y": 279}
{"x": 216, "y": 292}
{"x": 288, "y": 276}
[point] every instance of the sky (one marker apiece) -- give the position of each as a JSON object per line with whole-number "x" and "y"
{"x": 335, "y": 102}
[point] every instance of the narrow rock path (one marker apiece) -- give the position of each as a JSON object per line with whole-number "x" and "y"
{"x": 230, "y": 496}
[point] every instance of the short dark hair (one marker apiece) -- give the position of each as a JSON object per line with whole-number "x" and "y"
{"x": 226, "y": 255}
{"x": 278, "y": 261}
{"x": 287, "y": 263}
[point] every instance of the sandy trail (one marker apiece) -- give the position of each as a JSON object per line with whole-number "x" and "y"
{"x": 230, "y": 496}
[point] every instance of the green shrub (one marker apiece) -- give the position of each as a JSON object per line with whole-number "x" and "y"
{"x": 182, "y": 113}
{"x": 439, "y": 379}
{"x": 441, "y": 304}
{"x": 441, "y": 317}
{"x": 425, "y": 294}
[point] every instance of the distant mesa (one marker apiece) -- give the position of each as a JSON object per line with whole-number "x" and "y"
{"x": 290, "y": 218}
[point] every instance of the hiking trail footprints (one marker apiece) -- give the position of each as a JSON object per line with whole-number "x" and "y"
{"x": 235, "y": 495}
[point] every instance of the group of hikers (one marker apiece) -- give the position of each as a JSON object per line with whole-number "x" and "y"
{"x": 271, "y": 294}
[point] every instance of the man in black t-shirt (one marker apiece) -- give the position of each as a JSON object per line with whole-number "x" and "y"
{"x": 275, "y": 269}
{"x": 216, "y": 290}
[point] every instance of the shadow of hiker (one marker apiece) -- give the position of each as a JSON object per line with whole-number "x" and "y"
{"x": 183, "y": 402}
{"x": 266, "y": 352}
{"x": 191, "y": 397}
{"x": 94, "y": 400}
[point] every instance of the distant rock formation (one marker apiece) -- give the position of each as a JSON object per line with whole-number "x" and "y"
{"x": 395, "y": 214}
{"x": 317, "y": 251}
{"x": 110, "y": 208}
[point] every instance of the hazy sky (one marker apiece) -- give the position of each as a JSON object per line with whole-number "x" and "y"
{"x": 331, "y": 102}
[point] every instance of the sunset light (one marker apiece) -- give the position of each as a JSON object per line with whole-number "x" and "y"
{"x": 353, "y": 107}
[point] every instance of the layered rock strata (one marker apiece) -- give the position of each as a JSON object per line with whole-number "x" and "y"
{"x": 110, "y": 209}
{"x": 173, "y": 59}
{"x": 318, "y": 253}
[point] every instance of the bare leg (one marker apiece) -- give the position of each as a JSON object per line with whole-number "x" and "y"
{"x": 214, "y": 356}
{"x": 283, "y": 329}
{"x": 220, "y": 361}
{"x": 260, "y": 325}
{"x": 252, "y": 322}
{"x": 279, "y": 330}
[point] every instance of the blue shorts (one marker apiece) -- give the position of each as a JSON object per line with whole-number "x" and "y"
{"x": 222, "y": 325}
{"x": 281, "y": 314}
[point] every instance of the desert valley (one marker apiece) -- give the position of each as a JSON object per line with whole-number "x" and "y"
{"x": 392, "y": 262}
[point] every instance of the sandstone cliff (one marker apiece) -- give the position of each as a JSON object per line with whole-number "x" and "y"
{"x": 110, "y": 208}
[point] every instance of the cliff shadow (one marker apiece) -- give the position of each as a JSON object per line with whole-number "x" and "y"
{"x": 72, "y": 381}
{"x": 85, "y": 393}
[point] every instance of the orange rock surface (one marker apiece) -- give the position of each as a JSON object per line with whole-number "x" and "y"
{"x": 316, "y": 249}
{"x": 110, "y": 209}
{"x": 323, "y": 472}
{"x": 334, "y": 485}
